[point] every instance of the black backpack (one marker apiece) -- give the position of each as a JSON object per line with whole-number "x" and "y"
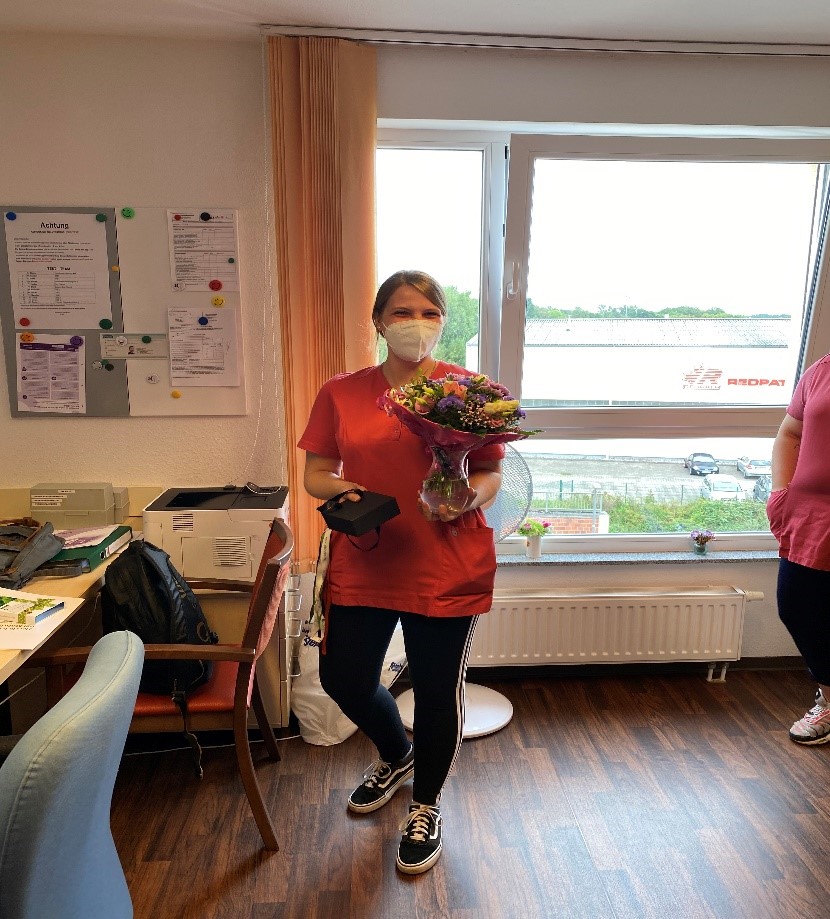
{"x": 144, "y": 593}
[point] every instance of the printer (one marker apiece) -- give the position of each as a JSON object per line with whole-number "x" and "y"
{"x": 217, "y": 533}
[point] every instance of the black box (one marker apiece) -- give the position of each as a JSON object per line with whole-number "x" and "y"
{"x": 358, "y": 517}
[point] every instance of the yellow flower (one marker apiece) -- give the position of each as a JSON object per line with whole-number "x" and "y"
{"x": 501, "y": 407}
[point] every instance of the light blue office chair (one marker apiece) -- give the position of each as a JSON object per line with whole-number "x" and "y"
{"x": 57, "y": 855}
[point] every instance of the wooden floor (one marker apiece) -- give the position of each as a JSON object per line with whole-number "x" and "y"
{"x": 615, "y": 796}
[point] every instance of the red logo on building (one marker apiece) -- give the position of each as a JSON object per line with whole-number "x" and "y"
{"x": 701, "y": 378}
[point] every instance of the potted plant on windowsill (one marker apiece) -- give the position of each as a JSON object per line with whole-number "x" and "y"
{"x": 699, "y": 540}
{"x": 533, "y": 530}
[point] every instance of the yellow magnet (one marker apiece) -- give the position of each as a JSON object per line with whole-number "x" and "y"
{"x": 175, "y": 394}
{"x": 218, "y": 301}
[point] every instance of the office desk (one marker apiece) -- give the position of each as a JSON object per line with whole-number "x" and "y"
{"x": 78, "y": 589}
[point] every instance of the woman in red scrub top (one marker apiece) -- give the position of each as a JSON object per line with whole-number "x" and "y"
{"x": 432, "y": 572}
{"x": 799, "y": 514}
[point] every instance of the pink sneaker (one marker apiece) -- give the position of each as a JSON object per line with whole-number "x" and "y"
{"x": 814, "y": 727}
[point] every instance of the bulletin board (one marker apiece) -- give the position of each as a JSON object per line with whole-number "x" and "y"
{"x": 120, "y": 311}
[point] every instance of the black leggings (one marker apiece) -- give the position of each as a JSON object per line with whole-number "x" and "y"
{"x": 804, "y": 608}
{"x": 436, "y": 651}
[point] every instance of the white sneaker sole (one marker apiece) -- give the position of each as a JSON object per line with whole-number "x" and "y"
{"x": 423, "y": 866}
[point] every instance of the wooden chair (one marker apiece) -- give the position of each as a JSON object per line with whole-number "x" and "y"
{"x": 223, "y": 702}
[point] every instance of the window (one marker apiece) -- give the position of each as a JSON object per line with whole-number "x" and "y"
{"x": 656, "y": 297}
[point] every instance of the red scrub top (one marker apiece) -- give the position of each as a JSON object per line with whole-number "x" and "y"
{"x": 419, "y": 566}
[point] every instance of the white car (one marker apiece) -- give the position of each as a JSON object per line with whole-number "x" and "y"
{"x": 721, "y": 487}
{"x": 753, "y": 466}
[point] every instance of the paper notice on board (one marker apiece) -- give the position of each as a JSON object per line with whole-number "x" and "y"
{"x": 50, "y": 373}
{"x": 203, "y": 347}
{"x": 203, "y": 252}
{"x": 59, "y": 270}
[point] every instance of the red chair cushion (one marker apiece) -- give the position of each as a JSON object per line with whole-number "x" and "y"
{"x": 215, "y": 696}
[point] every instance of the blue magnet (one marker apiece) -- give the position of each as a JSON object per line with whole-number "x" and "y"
{"x": 203, "y": 320}
{"x": 204, "y": 216}
{"x": 76, "y": 340}
{"x": 10, "y": 215}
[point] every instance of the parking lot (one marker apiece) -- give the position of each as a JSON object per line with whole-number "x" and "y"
{"x": 559, "y": 477}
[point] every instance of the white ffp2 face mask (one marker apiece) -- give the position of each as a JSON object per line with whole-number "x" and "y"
{"x": 413, "y": 339}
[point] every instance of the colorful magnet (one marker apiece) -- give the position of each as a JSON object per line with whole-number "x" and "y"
{"x": 10, "y": 215}
{"x": 101, "y": 218}
{"x": 215, "y": 285}
{"x": 76, "y": 341}
{"x": 202, "y": 320}
{"x": 24, "y": 321}
{"x": 115, "y": 268}
{"x": 218, "y": 301}
{"x": 177, "y": 216}
{"x": 204, "y": 216}
{"x": 27, "y": 337}
{"x": 175, "y": 394}
{"x": 127, "y": 212}
{"x": 231, "y": 261}
{"x": 146, "y": 339}
{"x": 105, "y": 323}
{"x": 109, "y": 366}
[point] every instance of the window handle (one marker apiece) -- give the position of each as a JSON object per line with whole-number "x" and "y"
{"x": 513, "y": 283}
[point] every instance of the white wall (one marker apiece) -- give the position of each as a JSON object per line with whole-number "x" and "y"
{"x": 144, "y": 123}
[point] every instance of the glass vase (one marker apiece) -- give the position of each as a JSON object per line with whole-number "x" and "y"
{"x": 699, "y": 549}
{"x": 446, "y": 482}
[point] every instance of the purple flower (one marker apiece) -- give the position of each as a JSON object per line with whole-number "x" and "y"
{"x": 450, "y": 402}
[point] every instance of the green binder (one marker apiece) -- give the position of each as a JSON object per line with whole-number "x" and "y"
{"x": 96, "y": 554}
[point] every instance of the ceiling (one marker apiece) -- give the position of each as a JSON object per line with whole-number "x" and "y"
{"x": 744, "y": 21}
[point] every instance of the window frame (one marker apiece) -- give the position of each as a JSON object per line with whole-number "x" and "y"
{"x": 501, "y": 328}
{"x": 636, "y": 421}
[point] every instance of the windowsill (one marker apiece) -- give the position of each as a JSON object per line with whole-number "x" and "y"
{"x": 635, "y": 558}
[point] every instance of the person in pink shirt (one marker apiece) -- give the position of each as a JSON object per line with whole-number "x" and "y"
{"x": 432, "y": 572}
{"x": 798, "y": 509}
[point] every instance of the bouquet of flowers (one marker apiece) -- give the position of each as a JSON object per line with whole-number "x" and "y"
{"x": 701, "y": 537}
{"x": 453, "y": 415}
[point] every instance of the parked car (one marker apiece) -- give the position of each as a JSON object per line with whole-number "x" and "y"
{"x": 753, "y": 466}
{"x": 720, "y": 487}
{"x": 701, "y": 464}
{"x": 763, "y": 486}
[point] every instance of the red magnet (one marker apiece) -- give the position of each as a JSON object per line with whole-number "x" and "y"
{"x": 215, "y": 285}
{"x": 24, "y": 321}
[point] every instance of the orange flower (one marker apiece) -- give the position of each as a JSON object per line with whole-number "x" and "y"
{"x": 454, "y": 388}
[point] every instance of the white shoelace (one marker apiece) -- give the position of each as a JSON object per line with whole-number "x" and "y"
{"x": 377, "y": 771}
{"x": 417, "y": 824}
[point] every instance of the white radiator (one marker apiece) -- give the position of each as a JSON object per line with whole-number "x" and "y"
{"x": 573, "y": 626}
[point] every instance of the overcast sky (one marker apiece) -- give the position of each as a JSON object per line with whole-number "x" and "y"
{"x": 608, "y": 232}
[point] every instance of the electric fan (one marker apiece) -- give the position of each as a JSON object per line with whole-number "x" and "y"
{"x": 513, "y": 500}
{"x": 486, "y": 710}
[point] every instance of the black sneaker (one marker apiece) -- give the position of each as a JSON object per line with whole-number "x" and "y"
{"x": 420, "y": 845}
{"x": 380, "y": 781}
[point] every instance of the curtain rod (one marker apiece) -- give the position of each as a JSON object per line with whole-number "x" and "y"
{"x": 549, "y": 42}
